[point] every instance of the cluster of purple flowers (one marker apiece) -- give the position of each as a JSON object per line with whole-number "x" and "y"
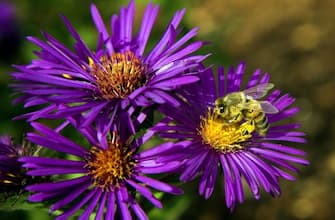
{"x": 107, "y": 94}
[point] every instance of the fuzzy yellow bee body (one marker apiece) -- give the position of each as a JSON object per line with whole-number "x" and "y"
{"x": 245, "y": 106}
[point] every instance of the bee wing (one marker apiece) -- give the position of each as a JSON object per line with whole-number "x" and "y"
{"x": 268, "y": 108}
{"x": 259, "y": 91}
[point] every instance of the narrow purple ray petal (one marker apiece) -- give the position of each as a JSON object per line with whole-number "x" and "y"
{"x": 146, "y": 193}
{"x": 54, "y": 145}
{"x": 122, "y": 200}
{"x": 70, "y": 197}
{"x": 285, "y": 127}
{"x": 167, "y": 167}
{"x": 230, "y": 79}
{"x": 110, "y": 206}
{"x": 284, "y": 174}
{"x": 192, "y": 33}
{"x": 158, "y": 185}
{"x": 171, "y": 70}
{"x": 115, "y": 26}
{"x": 93, "y": 113}
{"x": 282, "y": 163}
{"x": 236, "y": 178}
{"x": 264, "y": 79}
{"x": 56, "y": 53}
{"x": 178, "y": 55}
{"x": 89, "y": 209}
{"x": 193, "y": 167}
{"x": 148, "y": 21}
{"x": 238, "y": 76}
{"x": 164, "y": 40}
{"x": 273, "y": 95}
{"x": 77, "y": 37}
{"x": 154, "y": 97}
{"x": 76, "y": 207}
{"x": 208, "y": 82}
{"x": 55, "y": 186}
{"x": 55, "y": 136}
{"x": 39, "y": 197}
{"x": 279, "y": 155}
{"x": 99, "y": 22}
{"x": 176, "y": 82}
{"x": 56, "y": 171}
{"x": 221, "y": 84}
{"x": 259, "y": 176}
{"x": 249, "y": 177}
{"x": 230, "y": 196}
{"x": 40, "y": 162}
{"x": 284, "y": 149}
{"x": 156, "y": 150}
{"x": 286, "y": 138}
{"x": 254, "y": 79}
{"x": 101, "y": 207}
{"x": 137, "y": 209}
{"x": 207, "y": 180}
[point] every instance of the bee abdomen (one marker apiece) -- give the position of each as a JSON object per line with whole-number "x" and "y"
{"x": 261, "y": 123}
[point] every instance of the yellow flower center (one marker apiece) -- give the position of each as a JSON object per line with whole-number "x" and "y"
{"x": 112, "y": 166}
{"x": 119, "y": 75}
{"x": 222, "y": 136}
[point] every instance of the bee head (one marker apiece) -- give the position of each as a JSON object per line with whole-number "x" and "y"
{"x": 221, "y": 108}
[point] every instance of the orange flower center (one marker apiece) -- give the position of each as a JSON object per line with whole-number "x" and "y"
{"x": 112, "y": 166}
{"x": 119, "y": 75}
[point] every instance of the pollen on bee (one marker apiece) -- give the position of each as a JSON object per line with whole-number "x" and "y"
{"x": 222, "y": 136}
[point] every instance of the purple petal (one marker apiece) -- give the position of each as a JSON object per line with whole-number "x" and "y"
{"x": 167, "y": 167}
{"x": 56, "y": 171}
{"x": 70, "y": 197}
{"x": 158, "y": 185}
{"x": 254, "y": 79}
{"x": 278, "y": 155}
{"x": 165, "y": 39}
{"x": 56, "y": 186}
{"x": 148, "y": 21}
{"x": 89, "y": 209}
{"x": 284, "y": 149}
{"x": 110, "y": 212}
{"x": 193, "y": 167}
{"x": 176, "y": 82}
{"x": 43, "y": 162}
{"x": 76, "y": 207}
{"x": 137, "y": 209}
{"x": 101, "y": 208}
{"x": 99, "y": 22}
{"x": 122, "y": 203}
{"x": 146, "y": 193}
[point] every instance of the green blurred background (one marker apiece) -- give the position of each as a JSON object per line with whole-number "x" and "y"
{"x": 292, "y": 40}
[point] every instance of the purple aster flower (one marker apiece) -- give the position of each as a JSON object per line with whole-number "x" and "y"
{"x": 12, "y": 176}
{"x": 103, "y": 178}
{"x": 238, "y": 149}
{"x": 116, "y": 75}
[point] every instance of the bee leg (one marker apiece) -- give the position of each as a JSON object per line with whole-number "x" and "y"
{"x": 247, "y": 128}
{"x": 235, "y": 119}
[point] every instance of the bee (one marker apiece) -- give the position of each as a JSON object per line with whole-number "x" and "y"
{"x": 245, "y": 105}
